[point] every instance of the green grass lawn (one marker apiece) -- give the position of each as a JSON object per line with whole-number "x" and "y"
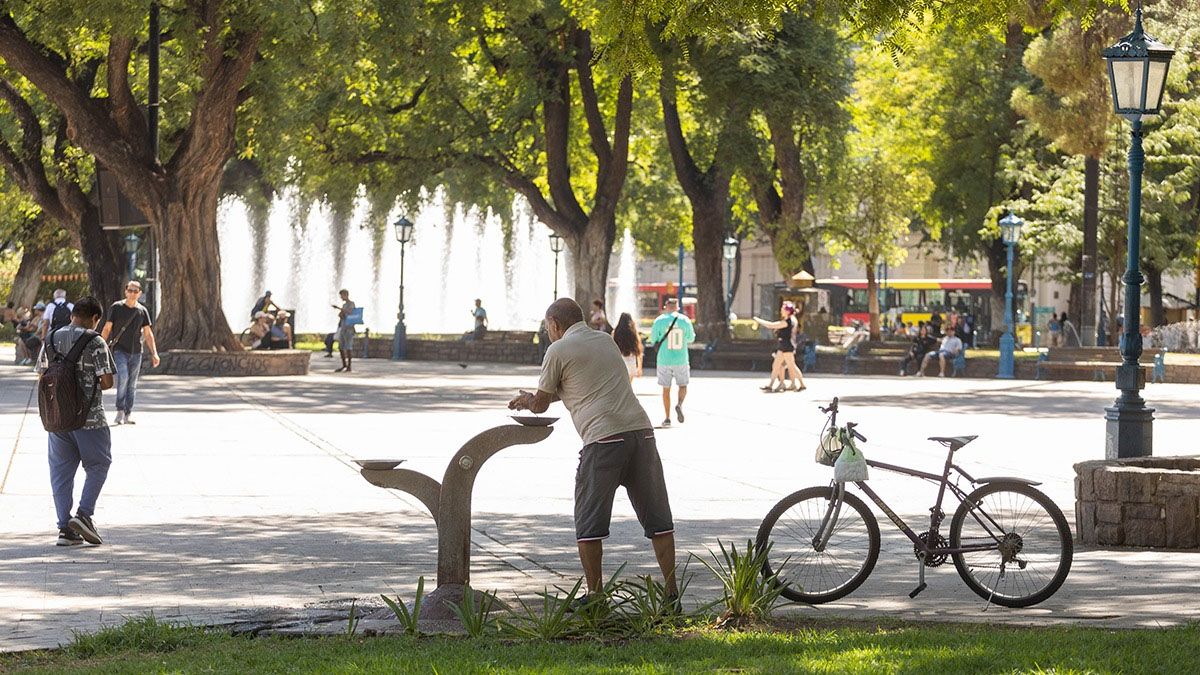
{"x": 789, "y": 647}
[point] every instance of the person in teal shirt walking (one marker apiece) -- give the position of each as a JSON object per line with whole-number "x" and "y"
{"x": 671, "y": 333}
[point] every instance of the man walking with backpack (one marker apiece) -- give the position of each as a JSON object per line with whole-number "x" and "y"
{"x": 57, "y": 314}
{"x": 128, "y": 324}
{"x": 671, "y": 333}
{"x": 75, "y": 366}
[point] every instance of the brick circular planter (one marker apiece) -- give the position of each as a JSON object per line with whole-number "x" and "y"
{"x": 1146, "y": 501}
{"x": 263, "y": 363}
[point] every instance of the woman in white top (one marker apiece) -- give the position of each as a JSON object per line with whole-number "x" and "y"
{"x": 630, "y": 344}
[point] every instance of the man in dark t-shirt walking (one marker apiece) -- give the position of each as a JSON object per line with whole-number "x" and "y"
{"x": 127, "y": 325}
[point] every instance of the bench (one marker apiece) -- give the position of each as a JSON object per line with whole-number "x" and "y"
{"x": 1102, "y": 366}
{"x": 750, "y": 355}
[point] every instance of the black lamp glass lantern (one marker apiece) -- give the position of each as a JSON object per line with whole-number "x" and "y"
{"x": 731, "y": 247}
{"x": 131, "y": 244}
{"x": 556, "y": 243}
{"x": 404, "y": 230}
{"x": 1137, "y": 72}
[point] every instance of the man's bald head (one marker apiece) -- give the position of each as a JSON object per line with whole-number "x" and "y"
{"x": 561, "y": 315}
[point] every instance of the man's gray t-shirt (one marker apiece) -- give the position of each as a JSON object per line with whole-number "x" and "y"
{"x": 951, "y": 345}
{"x": 94, "y": 361}
{"x": 344, "y": 323}
{"x": 480, "y": 316}
{"x": 584, "y": 369}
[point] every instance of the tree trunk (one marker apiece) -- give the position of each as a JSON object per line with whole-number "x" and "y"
{"x": 104, "y": 254}
{"x": 708, "y": 237}
{"x": 29, "y": 275}
{"x": 589, "y": 261}
{"x": 191, "y": 316}
{"x": 1154, "y": 276}
{"x": 1114, "y": 311}
{"x": 873, "y": 300}
{"x": 1091, "y": 216}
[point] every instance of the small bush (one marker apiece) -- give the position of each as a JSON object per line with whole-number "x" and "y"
{"x": 553, "y": 620}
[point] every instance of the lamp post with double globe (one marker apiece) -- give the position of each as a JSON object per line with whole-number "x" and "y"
{"x": 1010, "y": 234}
{"x": 556, "y": 245}
{"x": 1137, "y": 73}
{"x": 404, "y": 232}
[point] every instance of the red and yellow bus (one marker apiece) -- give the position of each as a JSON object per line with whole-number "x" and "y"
{"x": 913, "y": 300}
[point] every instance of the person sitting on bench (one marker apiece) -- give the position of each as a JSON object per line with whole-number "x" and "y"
{"x": 950, "y": 348}
{"x": 922, "y": 344}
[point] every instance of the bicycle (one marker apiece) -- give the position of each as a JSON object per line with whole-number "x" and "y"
{"x": 1009, "y": 542}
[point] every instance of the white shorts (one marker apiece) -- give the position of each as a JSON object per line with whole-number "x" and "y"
{"x": 681, "y": 375}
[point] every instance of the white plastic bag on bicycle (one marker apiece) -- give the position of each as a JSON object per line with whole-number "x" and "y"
{"x": 851, "y": 464}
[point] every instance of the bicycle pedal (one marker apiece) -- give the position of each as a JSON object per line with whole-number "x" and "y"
{"x": 916, "y": 591}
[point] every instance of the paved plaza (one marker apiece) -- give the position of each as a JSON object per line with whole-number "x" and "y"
{"x": 235, "y": 494}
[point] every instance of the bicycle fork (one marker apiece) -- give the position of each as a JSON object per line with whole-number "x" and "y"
{"x": 829, "y": 522}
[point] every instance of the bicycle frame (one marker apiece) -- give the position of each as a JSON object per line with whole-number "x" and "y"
{"x": 936, "y": 514}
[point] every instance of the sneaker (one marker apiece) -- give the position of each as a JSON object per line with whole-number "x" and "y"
{"x": 667, "y": 422}
{"x": 941, "y": 374}
{"x": 585, "y": 602}
{"x": 340, "y": 370}
{"x": 679, "y": 413}
{"x": 66, "y": 537}
{"x": 921, "y": 374}
{"x": 901, "y": 372}
{"x": 129, "y": 418}
{"x": 84, "y": 527}
{"x": 768, "y": 388}
{"x": 120, "y": 418}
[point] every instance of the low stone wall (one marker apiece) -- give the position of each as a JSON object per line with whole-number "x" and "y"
{"x": 1146, "y": 501}
{"x": 265, "y": 363}
{"x": 470, "y": 351}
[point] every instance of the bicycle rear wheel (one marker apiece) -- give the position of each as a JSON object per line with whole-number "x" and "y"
{"x": 1027, "y": 528}
{"x": 819, "y": 576}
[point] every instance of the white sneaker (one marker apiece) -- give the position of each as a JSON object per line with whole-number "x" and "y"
{"x": 129, "y": 418}
{"x": 921, "y": 374}
{"x": 120, "y": 418}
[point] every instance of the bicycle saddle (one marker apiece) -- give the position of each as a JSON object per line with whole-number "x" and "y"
{"x": 953, "y": 442}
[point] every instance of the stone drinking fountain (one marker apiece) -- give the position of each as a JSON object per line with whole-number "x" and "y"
{"x": 449, "y": 502}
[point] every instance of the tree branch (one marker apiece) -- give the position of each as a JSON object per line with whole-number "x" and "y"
{"x": 86, "y": 118}
{"x": 122, "y": 106}
{"x": 412, "y": 100}
{"x": 556, "y": 118}
{"x": 686, "y": 170}
{"x": 587, "y": 93}
{"x": 611, "y": 177}
{"x": 530, "y": 191}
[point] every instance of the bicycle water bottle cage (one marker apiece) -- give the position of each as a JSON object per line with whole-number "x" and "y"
{"x": 953, "y": 442}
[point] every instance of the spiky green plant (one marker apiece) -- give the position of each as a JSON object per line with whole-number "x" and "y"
{"x": 476, "y": 619}
{"x": 407, "y": 617}
{"x": 747, "y": 594}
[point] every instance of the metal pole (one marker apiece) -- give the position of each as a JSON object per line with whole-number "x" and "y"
{"x": 555, "y": 276}
{"x": 1130, "y": 428}
{"x": 1007, "y": 343}
{"x": 679, "y": 290}
{"x": 400, "y": 341}
{"x": 728, "y": 287}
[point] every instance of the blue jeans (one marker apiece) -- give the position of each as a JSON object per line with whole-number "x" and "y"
{"x": 128, "y": 368}
{"x": 69, "y": 449}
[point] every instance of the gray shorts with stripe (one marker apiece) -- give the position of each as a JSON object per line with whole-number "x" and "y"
{"x": 629, "y": 459}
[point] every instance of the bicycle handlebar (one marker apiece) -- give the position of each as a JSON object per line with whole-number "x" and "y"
{"x": 850, "y": 428}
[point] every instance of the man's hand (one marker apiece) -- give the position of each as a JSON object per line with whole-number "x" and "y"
{"x": 154, "y": 360}
{"x": 522, "y": 401}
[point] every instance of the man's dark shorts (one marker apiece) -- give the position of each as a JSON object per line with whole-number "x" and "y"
{"x": 629, "y": 459}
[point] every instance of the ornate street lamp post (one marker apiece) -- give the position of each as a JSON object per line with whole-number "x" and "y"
{"x": 730, "y": 249}
{"x": 131, "y": 248}
{"x": 1010, "y": 233}
{"x": 556, "y": 245}
{"x": 404, "y": 232}
{"x": 1137, "y": 72}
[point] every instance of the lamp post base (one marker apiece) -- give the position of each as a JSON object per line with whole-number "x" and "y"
{"x": 1129, "y": 431}
{"x": 1007, "y": 363}
{"x": 400, "y": 342}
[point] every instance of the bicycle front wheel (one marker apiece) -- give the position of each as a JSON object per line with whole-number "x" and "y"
{"x": 814, "y": 576}
{"x": 1033, "y": 544}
